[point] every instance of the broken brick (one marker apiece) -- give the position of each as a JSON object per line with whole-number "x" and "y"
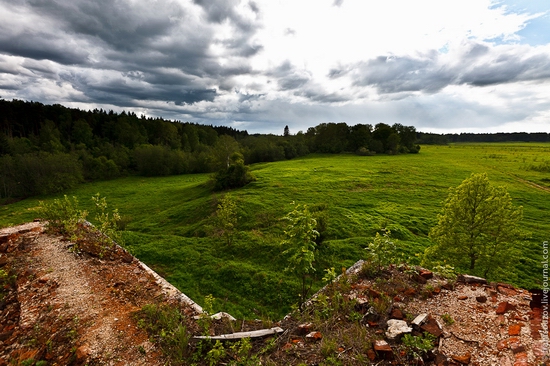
{"x": 462, "y": 359}
{"x": 504, "y": 307}
{"x": 431, "y": 326}
{"x": 397, "y": 314}
{"x": 514, "y": 329}
{"x": 382, "y": 346}
{"x": 427, "y": 274}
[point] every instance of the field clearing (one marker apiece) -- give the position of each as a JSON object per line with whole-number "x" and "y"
{"x": 171, "y": 227}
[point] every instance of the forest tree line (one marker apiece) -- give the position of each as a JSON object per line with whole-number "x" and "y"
{"x": 49, "y": 148}
{"x": 443, "y": 139}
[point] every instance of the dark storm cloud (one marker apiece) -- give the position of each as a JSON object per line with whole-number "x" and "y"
{"x": 162, "y": 46}
{"x": 289, "y": 77}
{"x": 125, "y": 25}
{"x": 430, "y": 73}
{"x": 40, "y": 46}
{"x": 219, "y": 11}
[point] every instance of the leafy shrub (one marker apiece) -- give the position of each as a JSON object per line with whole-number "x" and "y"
{"x": 446, "y": 271}
{"x": 106, "y": 223}
{"x": 62, "y": 216}
{"x": 234, "y": 176}
{"x": 418, "y": 346}
{"x": 382, "y": 250}
{"x": 65, "y": 217}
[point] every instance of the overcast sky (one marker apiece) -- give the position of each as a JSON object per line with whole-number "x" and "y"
{"x": 441, "y": 66}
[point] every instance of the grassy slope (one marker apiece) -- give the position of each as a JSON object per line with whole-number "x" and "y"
{"x": 170, "y": 218}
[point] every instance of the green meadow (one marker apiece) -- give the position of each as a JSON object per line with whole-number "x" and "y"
{"x": 170, "y": 222}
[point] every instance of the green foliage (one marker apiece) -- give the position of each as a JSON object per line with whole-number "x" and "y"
{"x": 216, "y": 354}
{"x": 226, "y": 217}
{"x": 62, "y": 215}
{"x": 65, "y": 217}
{"x": 382, "y": 251}
{"x": 155, "y": 160}
{"x": 477, "y": 227}
{"x": 234, "y": 175}
{"x": 299, "y": 240}
{"x": 223, "y": 150}
{"x": 447, "y": 319}
{"x": 445, "y": 271}
{"x": 166, "y": 325}
{"x": 330, "y": 276}
{"x": 418, "y": 346}
{"x": 100, "y": 168}
{"x": 38, "y": 173}
{"x": 107, "y": 222}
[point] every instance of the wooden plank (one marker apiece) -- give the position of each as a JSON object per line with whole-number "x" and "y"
{"x": 241, "y": 335}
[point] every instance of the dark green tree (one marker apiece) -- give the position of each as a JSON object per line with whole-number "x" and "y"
{"x": 236, "y": 175}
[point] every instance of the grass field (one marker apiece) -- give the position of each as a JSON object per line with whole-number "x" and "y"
{"x": 170, "y": 222}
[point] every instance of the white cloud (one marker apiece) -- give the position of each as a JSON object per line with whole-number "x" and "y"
{"x": 266, "y": 63}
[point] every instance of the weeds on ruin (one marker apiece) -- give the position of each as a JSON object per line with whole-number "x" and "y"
{"x": 166, "y": 326}
{"x": 447, "y": 319}
{"x": 62, "y": 215}
{"x": 417, "y": 347}
{"x": 107, "y": 223}
{"x": 446, "y": 271}
{"x": 66, "y": 218}
{"x": 381, "y": 252}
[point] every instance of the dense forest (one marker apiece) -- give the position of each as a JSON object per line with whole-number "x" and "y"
{"x": 443, "y": 139}
{"x": 49, "y": 148}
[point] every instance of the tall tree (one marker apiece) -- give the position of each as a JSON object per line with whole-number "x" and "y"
{"x": 224, "y": 148}
{"x": 477, "y": 228}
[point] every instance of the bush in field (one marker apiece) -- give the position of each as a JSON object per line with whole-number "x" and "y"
{"x": 235, "y": 175}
